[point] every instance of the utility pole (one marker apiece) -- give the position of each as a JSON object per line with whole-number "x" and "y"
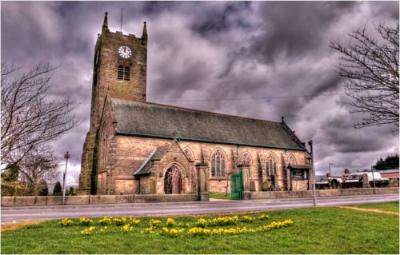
{"x": 310, "y": 143}
{"x": 373, "y": 178}
{"x": 330, "y": 169}
{"x": 66, "y": 157}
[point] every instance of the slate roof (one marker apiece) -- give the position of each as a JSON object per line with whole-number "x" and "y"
{"x": 161, "y": 121}
{"x": 156, "y": 154}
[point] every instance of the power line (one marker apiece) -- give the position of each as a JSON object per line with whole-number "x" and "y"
{"x": 237, "y": 99}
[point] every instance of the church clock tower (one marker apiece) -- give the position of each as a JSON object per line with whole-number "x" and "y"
{"x": 119, "y": 71}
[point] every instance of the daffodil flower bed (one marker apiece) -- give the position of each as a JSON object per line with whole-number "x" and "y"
{"x": 221, "y": 225}
{"x": 66, "y": 222}
{"x": 85, "y": 221}
{"x": 196, "y": 231}
{"x": 88, "y": 231}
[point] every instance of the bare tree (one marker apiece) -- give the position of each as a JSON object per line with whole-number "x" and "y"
{"x": 372, "y": 70}
{"x": 29, "y": 118}
{"x": 37, "y": 167}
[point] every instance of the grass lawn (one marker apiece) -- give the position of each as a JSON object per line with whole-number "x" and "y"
{"x": 320, "y": 230}
{"x": 219, "y": 195}
{"x": 389, "y": 206}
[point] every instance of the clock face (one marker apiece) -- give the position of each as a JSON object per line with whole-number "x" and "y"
{"x": 125, "y": 52}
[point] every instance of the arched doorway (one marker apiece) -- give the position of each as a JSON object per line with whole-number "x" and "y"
{"x": 173, "y": 181}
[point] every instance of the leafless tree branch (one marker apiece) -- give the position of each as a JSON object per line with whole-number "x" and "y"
{"x": 29, "y": 119}
{"x": 372, "y": 71}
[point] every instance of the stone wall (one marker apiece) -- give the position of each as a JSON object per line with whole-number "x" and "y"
{"x": 127, "y": 153}
{"x": 115, "y": 199}
{"x": 320, "y": 193}
{"x": 98, "y": 199}
{"x": 299, "y": 185}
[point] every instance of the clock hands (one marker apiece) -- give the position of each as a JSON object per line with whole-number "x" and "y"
{"x": 124, "y": 51}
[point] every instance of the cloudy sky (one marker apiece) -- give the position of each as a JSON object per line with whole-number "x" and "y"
{"x": 256, "y": 59}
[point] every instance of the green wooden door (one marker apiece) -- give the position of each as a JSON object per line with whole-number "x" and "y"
{"x": 237, "y": 186}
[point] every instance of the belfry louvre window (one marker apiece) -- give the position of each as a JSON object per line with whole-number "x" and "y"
{"x": 217, "y": 165}
{"x": 123, "y": 73}
{"x": 126, "y": 73}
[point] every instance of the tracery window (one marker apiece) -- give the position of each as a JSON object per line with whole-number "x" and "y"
{"x": 292, "y": 160}
{"x": 246, "y": 159}
{"x": 123, "y": 73}
{"x": 217, "y": 164}
{"x": 271, "y": 167}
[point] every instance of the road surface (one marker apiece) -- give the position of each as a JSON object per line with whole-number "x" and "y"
{"x": 16, "y": 214}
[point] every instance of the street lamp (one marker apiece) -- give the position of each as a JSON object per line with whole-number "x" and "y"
{"x": 313, "y": 173}
{"x": 66, "y": 157}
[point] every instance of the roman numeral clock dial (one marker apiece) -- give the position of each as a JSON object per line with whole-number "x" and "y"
{"x": 124, "y": 52}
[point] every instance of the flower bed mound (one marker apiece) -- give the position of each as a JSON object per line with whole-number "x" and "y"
{"x": 221, "y": 225}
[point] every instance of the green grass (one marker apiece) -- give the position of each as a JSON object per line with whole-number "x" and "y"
{"x": 388, "y": 206}
{"x": 219, "y": 195}
{"x": 320, "y": 230}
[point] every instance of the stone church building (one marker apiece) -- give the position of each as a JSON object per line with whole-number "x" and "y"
{"x": 138, "y": 147}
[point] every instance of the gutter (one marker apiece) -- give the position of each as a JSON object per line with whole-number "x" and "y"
{"x": 195, "y": 139}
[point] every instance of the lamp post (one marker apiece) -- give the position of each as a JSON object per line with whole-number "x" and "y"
{"x": 66, "y": 157}
{"x": 313, "y": 173}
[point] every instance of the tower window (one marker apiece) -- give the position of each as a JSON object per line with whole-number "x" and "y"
{"x": 120, "y": 72}
{"x": 123, "y": 73}
{"x": 126, "y": 73}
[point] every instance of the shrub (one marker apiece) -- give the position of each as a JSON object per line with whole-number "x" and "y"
{"x": 57, "y": 191}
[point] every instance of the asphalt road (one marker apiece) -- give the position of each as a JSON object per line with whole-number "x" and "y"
{"x": 11, "y": 214}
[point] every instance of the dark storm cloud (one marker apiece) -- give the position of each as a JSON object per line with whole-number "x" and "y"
{"x": 339, "y": 133}
{"x": 294, "y": 28}
{"x": 256, "y": 59}
{"x": 218, "y": 20}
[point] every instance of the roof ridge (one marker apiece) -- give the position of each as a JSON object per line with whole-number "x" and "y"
{"x": 193, "y": 110}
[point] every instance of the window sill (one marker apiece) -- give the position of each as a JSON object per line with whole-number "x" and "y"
{"x": 217, "y": 178}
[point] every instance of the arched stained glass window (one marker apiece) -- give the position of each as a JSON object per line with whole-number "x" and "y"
{"x": 246, "y": 159}
{"x": 292, "y": 160}
{"x": 217, "y": 165}
{"x": 271, "y": 167}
